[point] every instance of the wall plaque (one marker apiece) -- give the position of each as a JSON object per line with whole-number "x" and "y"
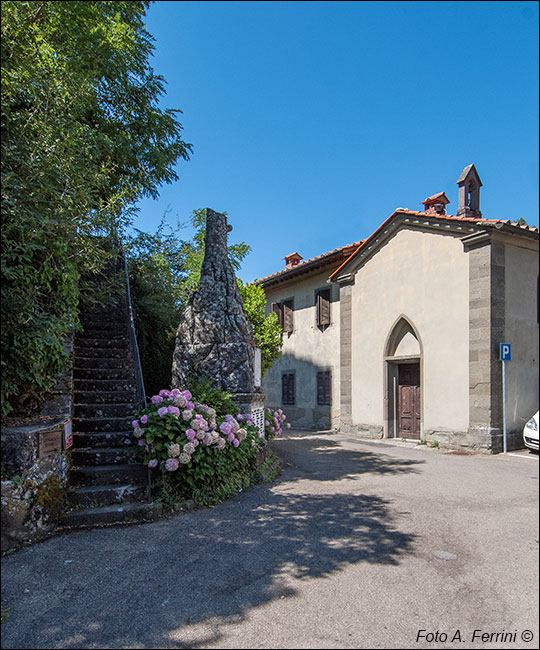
{"x": 50, "y": 443}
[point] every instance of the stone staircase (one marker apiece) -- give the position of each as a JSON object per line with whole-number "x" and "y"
{"x": 107, "y": 484}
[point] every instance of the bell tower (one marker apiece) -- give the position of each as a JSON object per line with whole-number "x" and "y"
{"x": 469, "y": 185}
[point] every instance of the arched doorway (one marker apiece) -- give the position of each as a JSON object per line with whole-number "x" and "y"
{"x": 403, "y": 389}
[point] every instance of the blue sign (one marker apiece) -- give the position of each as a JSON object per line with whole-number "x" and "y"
{"x": 506, "y": 352}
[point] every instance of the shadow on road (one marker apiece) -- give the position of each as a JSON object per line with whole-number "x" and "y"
{"x": 153, "y": 585}
{"x": 321, "y": 458}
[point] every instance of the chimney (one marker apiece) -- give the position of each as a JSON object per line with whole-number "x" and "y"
{"x": 436, "y": 204}
{"x": 292, "y": 260}
{"x": 469, "y": 185}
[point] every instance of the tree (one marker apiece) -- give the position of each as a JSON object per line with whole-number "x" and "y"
{"x": 266, "y": 329}
{"x": 157, "y": 276}
{"x": 83, "y": 139}
{"x": 164, "y": 271}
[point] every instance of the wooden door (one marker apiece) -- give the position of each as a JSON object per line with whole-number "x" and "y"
{"x": 409, "y": 400}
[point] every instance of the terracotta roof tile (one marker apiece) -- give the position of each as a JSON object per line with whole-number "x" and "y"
{"x": 343, "y": 251}
{"x": 444, "y": 217}
{"x": 346, "y": 253}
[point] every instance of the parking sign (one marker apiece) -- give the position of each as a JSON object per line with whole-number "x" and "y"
{"x": 506, "y": 352}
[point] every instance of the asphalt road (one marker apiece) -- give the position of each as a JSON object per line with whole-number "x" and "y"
{"x": 356, "y": 545}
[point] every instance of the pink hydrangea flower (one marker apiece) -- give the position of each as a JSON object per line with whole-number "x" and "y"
{"x": 173, "y": 411}
{"x": 175, "y": 392}
{"x": 135, "y": 423}
{"x": 187, "y": 394}
{"x": 191, "y": 435}
{"x": 225, "y": 428}
{"x": 180, "y": 401}
{"x": 220, "y": 444}
{"x": 142, "y": 443}
{"x": 152, "y": 463}
{"x": 144, "y": 419}
{"x": 189, "y": 448}
{"x": 235, "y": 442}
{"x": 174, "y": 450}
{"x": 162, "y": 412}
{"x": 156, "y": 399}
{"x": 187, "y": 415}
{"x": 171, "y": 464}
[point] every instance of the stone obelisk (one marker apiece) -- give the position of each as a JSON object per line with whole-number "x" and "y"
{"x": 214, "y": 335}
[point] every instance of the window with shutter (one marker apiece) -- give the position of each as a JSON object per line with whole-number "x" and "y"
{"x": 288, "y": 311}
{"x": 324, "y": 396}
{"x": 288, "y": 391}
{"x": 323, "y": 307}
{"x": 277, "y": 308}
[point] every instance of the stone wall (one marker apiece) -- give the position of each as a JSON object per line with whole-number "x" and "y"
{"x": 33, "y": 495}
{"x": 35, "y": 469}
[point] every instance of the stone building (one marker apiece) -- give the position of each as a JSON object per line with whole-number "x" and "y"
{"x": 398, "y": 335}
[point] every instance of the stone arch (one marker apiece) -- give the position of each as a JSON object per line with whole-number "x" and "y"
{"x": 403, "y": 339}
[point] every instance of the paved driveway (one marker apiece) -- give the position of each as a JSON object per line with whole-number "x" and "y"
{"x": 357, "y": 545}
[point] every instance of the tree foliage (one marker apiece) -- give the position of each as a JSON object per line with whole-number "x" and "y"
{"x": 83, "y": 138}
{"x": 164, "y": 272}
{"x": 266, "y": 328}
{"x": 156, "y": 267}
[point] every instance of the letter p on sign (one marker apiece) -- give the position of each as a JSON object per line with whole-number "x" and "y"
{"x": 506, "y": 351}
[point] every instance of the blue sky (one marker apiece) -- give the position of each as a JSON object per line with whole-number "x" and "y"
{"x": 312, "y": 121}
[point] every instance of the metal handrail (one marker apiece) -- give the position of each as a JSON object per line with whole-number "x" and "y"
{"x": 139, "y": 380}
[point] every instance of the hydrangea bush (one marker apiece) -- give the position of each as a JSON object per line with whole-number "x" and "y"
{"x": 274, "y": 422}
{"x": 199, "y": 452}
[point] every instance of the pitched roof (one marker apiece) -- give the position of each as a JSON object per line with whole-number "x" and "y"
{"x": 343, "y": 255}
{"x": 334, "y": 257}
{"x": 443, "y": 217}
{"x": 440, "y": 196}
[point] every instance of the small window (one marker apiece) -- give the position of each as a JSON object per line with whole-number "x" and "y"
{"x": 285, "y": 314}
{"x": 288, "y": 320}
{"x": 323, "y": 307}
{"x": 324, "y": 396}
{"x": 288, "y": 389}
{"x": 277, "y": 308}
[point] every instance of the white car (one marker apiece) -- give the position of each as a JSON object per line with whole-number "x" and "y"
{"x": 530, "y": 433}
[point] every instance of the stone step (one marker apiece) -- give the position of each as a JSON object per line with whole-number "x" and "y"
{"x": 102, "y": 424}
{"x": 102, "y": 332}
{"x": 100, "y": 410}
{"x": 93, "y": 374}
{"x": 86, "y": 457}
{"x": 128, "y": 513}
{"x": 105, "y": 495}
{"x": 120, "y": 341}
{"x": 103, "y": 364}
{"x": 103, "y": 396}
{"x": 103, "y": 320}
{"x": 101, "y": 353}
{"x": 108, "y": 475}
{"x": 95, "y": 439}
{"x": 103, "y": 385}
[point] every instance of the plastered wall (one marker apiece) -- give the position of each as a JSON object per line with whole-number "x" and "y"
{"x": 307, "y": 350}
{"x": 425, "y": 277}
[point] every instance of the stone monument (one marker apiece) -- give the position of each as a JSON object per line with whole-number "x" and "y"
{"x": 214, "y": 336}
